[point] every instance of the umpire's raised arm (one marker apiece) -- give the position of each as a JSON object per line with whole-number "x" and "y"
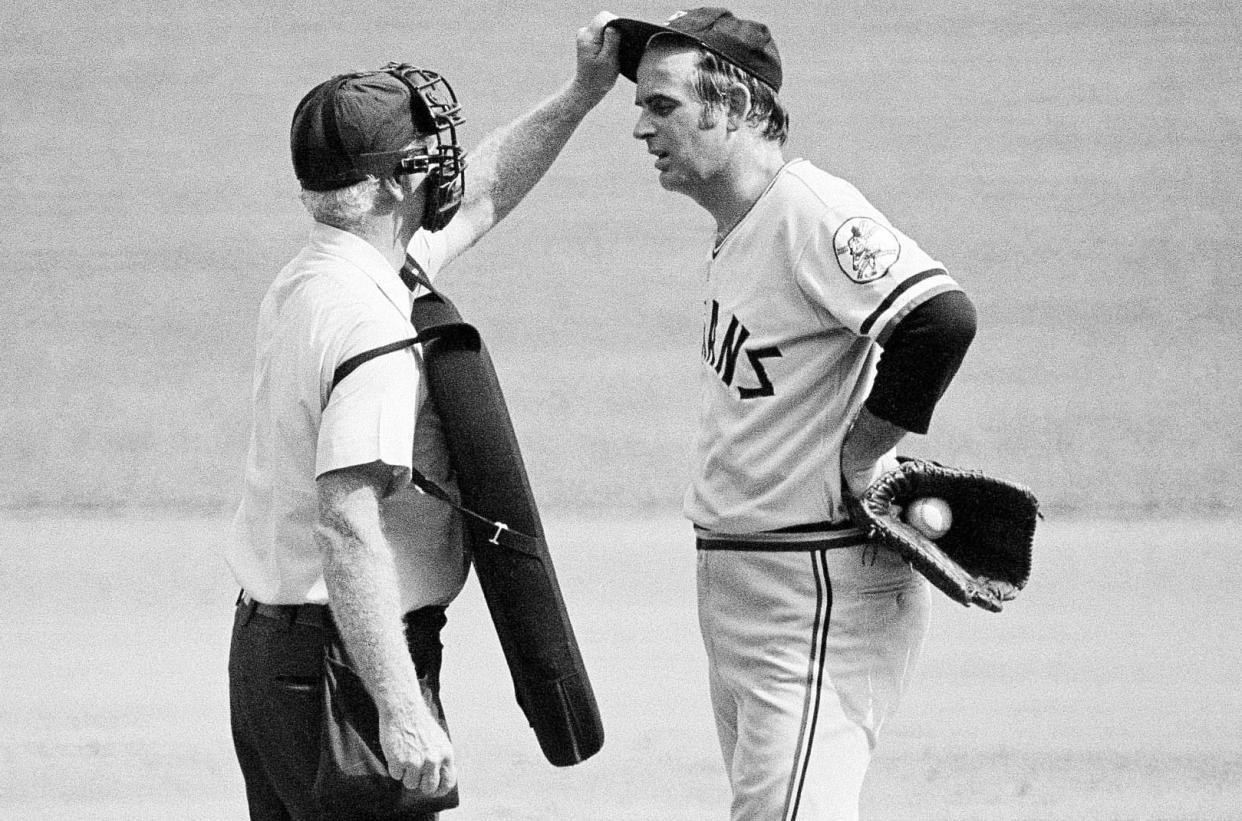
{"x": 505, "y": 166}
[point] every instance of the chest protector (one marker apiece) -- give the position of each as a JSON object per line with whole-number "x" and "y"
{"x": 503, "y": 530}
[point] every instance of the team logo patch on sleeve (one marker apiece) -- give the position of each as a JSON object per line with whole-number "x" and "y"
{"x": 865, "y": 249}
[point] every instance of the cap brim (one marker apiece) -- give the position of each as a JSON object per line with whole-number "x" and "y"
{"x": 635, "y": 34}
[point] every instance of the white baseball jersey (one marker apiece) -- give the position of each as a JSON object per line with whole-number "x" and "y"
{"x": 337, "y": 298}
{"x": 798, "y": 295}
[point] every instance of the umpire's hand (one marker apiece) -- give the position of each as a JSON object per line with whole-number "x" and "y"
{"x": 598, "y": 64}
{"x": 417, "y": 749}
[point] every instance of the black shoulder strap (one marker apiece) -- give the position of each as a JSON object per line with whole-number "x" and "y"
{"x": 502, "y": 534}
{"x": 350, "y": 365}
{"x": 413, "y": 275}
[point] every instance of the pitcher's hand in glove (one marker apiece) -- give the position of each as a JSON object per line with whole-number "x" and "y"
{"x": 985, "y": 556}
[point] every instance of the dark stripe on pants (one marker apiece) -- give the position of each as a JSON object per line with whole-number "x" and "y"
{"x": 815, "y": 675}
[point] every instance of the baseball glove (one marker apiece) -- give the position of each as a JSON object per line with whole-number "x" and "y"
{"x": 985, "y": 556}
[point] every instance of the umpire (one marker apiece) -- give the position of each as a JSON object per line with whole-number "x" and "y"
{"x": 330, "y": 538}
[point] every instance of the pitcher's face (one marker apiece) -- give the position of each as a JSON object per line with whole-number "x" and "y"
{"x": 686, "y": 138}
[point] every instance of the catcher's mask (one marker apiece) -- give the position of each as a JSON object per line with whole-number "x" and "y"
{"x": 344, "y": 130}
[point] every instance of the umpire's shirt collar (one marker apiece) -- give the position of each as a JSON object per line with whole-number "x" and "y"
{"x": 366, "y": 258}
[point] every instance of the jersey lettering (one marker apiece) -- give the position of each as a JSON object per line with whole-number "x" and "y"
{"x": 765, "y": 385}
{"x": 723, "y": 359}
{"x": 729, "y": 349}
{"x": 709, "y": 336}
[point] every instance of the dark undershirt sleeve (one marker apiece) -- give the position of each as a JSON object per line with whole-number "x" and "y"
{"x": 919, "y": 360}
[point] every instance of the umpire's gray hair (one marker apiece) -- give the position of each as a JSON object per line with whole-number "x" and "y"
{"x": 345, "y": 207}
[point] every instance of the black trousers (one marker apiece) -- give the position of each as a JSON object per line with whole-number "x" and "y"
{"x": 275, "y": 675}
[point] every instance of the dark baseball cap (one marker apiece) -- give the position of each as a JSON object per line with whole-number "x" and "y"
{"x": 354, "y": 125}
{"x": 744, "y": 43}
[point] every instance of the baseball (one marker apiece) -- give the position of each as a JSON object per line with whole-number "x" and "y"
{"x": 930, "y": 516}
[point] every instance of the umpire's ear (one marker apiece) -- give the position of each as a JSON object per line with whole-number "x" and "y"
{"x": 737, "y": 98}
{"x": 395, "y": 189}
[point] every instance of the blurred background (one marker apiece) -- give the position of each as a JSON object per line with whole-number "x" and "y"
{"x": 1075, "y": 166}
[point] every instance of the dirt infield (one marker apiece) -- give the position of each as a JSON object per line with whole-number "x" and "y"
{"x": 1105, "y": 692}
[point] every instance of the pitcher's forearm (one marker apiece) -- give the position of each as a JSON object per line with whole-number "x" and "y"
{"x": 869, "y": 438}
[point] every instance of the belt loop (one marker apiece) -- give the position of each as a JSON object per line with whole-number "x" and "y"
{"x": 247, "y": 607}
{"x": 287, "y": 616}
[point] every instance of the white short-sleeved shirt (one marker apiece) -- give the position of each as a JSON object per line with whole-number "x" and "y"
{"x": 799, "y": 296}
{"x": 337, "y": 298}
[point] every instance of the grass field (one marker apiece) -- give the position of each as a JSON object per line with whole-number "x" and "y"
{"x": 1077, "y": 166}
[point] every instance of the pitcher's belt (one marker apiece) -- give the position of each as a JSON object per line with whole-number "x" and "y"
{"x": 819, "y": 536}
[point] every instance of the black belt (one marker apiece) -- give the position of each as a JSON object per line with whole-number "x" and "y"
{"x": 780, "y": 547}
{"x": 815, "y": 527}
{"x": 309, "y": 615}
{"x": 826, "y": 536}
{"x": 320, "y": 615}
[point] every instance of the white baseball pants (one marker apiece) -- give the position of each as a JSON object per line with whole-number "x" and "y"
{"x": 808, "y": 652}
